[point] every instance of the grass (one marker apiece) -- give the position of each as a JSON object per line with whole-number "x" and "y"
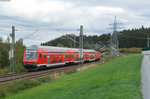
{"x": 117, "y": 79}
{"x": 19, "y": 85}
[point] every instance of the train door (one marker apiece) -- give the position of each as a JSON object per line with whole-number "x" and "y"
{"x": 64, "y": 58}
{"x": 47, "y": 59}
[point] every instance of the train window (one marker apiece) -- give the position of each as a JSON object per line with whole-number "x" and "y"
{"x": 44, "y": 55}
{"x": 40, "y": 55}
{"x": 66, "y": 55}
{"x": 30, "y": 54}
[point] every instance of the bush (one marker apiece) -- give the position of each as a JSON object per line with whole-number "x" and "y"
{"x": 19, "y": 68}
{"x": 17, "y": 86}
{"x": 70, "y": 71}
{"x": 4, "y": 70}
{"x": 27, "y": 84}
{"x": 2, "y": 93}
{"x": 44, "y": 79}
{"x": 130, "y": 50}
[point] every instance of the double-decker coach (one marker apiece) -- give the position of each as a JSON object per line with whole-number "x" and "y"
{"x": 36, "y": 57}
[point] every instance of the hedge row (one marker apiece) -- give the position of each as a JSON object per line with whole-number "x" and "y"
{"x": 19, "y": 85}
{"x": 130, "y": 50}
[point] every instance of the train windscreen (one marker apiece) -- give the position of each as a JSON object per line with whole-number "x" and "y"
{"x": 30, "y": 54}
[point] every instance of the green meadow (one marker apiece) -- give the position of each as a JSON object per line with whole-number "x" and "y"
{"x": 116, "y": 79}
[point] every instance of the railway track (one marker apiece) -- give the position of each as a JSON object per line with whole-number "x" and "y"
{"x": 31, "y": 75}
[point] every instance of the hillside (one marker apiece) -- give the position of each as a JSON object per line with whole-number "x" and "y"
{"x": 127, "y": 39}
{"x": 118, "y": 79}
{"x": 89, "y": 41}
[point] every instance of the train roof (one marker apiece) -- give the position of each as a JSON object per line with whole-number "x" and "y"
{"x": 36, "y": 47}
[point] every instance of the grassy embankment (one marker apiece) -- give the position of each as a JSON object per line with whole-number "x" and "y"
{"x": 117, "y": 79}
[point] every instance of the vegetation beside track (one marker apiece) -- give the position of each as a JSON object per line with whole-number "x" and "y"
{"x": 117, "y": 79}
{"x": 19, "y": 85}
{"x": 16, "y": 86}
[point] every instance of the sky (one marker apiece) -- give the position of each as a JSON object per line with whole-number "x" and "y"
{"x": 50, "y": 19}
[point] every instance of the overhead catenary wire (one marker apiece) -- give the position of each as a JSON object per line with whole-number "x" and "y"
{"x": 68, "y": 37}
{"x": 31, "y": 34}
{"x": 26, "y": 29}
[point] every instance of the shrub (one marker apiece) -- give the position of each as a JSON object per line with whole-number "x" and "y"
{"x": 4, "y": 70}
{"x": 70, "y": 71}
{"x": 19, "y": 68}
{"x": 130, "y": 50}
{"x": 2, "y": 93}
{"x": 17, "y": 86}
{"x": 44, "y": 79}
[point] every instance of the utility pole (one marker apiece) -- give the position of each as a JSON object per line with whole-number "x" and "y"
{"x": 148, "y": 40}
{"x": 111, "y": 50}
{"x": 74, "y": 42}
{"x": 114, "y": 43}
{"x": 81, "y": 47}
{"x": 12, "y": 59}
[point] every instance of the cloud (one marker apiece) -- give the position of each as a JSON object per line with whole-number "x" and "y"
{"x": 34, "y": 9}
{"x": 67, "y": 16}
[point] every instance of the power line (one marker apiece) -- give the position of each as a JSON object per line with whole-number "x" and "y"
{"x": 69, "y": 37}
{"x": 30, "y": 34}
{"x": 114, "y": 43}
{"x": 25, "y": 29}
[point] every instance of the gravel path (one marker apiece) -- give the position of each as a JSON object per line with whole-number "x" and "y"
{"x": 146, "y": 77}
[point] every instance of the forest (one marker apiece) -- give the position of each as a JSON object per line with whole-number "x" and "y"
{"x": 127, "y": 39}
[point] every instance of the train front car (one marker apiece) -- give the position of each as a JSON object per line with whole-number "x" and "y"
{"x": 30, "y": 58}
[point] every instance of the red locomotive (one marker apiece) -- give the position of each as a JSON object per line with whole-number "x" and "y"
{"x": 36, "y": 57}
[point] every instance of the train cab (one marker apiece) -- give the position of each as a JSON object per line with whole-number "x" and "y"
{"x": 30, "y": 57}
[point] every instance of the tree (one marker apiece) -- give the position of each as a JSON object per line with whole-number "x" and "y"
{"x": 4, "y": 56}
{"x": 19, "y": 53}
{"x": 1, "y": 40}
{"x": 7, "y": 40}
{"x": 60, "y": 45}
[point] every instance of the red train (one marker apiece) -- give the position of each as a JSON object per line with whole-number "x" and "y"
{"x": 36, "y": 57}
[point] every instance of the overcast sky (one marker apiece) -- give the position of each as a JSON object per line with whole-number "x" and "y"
{"x": 54, "y": 18}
